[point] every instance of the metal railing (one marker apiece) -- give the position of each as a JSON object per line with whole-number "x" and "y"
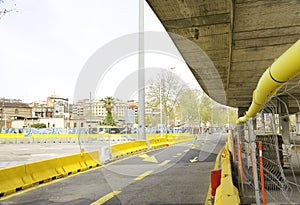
{"x": 265, "y": 148}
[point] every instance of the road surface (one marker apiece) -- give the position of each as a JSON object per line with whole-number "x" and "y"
{"x": 179, "y": 174}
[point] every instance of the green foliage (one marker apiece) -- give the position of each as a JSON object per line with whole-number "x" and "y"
{"x": 38, "y": 125}
{"x": 109, "y": 121}
{"x": 205, "y": 109}
{"x": 189, "y": 105}
{"x": 165, "y": 89}
{"x": 109, "y": 105}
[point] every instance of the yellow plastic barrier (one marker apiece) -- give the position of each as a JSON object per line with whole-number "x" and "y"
{"x": 13, "y": 179}
{"x": 178, "y": 138}
{"x": 12, "y": 135}
{"x": 170, "y": 139}
{"x": 229, "y": 138}
{"x": 126, "y": 148}
{"x": 43, "y": 170}
{"x": 72, "y": 164}
{"x": 19, "y": 177}
{"x": 91, "y": 159}
{"x": 158, "y": 142}
{"x": 226, "y": 193}
{"x": 52, "y": 135}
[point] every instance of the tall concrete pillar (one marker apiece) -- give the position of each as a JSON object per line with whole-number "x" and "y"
{"x": 263, "y": 122}
{"x": 254, "y": 123}
{"x": 284, "y": 121}
{"x": 298, "y": 123}
{"x": 242, "y": 111}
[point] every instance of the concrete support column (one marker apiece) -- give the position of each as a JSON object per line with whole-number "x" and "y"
{"x": 263, "y": 122}
{"x": 284, "y": 121}
{"x": 242, "y": 111}
{"x": 298, "y": 123}
{"x": 254, "y": 124}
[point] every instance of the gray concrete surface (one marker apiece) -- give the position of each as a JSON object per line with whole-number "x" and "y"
{"x": 15, "y": 154}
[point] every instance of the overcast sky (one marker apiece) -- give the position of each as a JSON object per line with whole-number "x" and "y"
{"x": 45, "y": 44}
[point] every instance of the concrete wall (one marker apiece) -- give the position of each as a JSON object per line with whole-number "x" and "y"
{"x": 53, "y": 122}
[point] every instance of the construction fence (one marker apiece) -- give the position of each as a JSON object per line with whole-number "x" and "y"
{"x": 266, "y": 153}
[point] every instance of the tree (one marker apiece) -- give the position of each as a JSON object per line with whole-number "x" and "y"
{"x": 108, "y": 104}
{"x": 165, "y": 89}
{"x": 233, "y": 115}
{"x": 215, "y": 113}
{"x": 38, "y": 125}
{"x": 10, "y": 6}
{"x": 189, "y": 106}
{"x": 205, "y": 109}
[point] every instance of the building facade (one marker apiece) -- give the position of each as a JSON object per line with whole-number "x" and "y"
{"x": 13, "y": 109}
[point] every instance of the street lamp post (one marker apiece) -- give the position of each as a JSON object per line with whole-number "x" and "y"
{"x": 2, "y": 110}
{"x": 160, "y": 107}
{"x": 141, "y": 75}
{"x": 5, "y": 122}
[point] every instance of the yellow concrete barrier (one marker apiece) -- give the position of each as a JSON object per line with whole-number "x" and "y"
{"x": 158, "y": 142}
{"x": 170, "y": 139}
{"x": 52, "y": 135}
{"x": 182, "y": 137}
{"x": 92, "y": 159}
{"x": 226, "y": 193}
{"x": 19, "y": 177}
{"x": 13, "y": 179}
{"x": 126, "y": 148}
{"x": 11, "y": 135}
{"x": 72, "y": 164}
{"x": 43, "y": 170}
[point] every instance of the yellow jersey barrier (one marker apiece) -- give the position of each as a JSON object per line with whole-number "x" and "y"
{"x": 226, "y": 193}
{"x": 119, "y": 150}
{"x": 23, "y": 176}
{"x": 19, "y": 177}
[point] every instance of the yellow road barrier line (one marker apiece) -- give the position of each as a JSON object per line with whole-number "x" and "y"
{"x": 164, "y": 163}
{"x": 105, "y": 198}
{"x": 142, "y": 176}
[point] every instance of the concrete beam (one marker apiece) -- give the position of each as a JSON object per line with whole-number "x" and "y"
{"x": 242, "y": 111}
{"x": 197, "y": 21}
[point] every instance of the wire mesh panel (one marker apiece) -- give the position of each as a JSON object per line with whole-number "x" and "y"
{"x": 276, "y": 184}
{"x": 277, "y": 126}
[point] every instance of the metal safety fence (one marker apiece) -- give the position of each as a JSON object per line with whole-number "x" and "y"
{"x": 266, "y": 151}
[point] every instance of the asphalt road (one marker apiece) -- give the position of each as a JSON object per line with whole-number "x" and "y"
{"x": 179, "y": 174}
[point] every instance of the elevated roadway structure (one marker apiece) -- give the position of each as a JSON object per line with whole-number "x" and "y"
{"x": 241, "y": 37}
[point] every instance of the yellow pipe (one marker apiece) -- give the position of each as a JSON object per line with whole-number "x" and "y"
{"x": 286, "y": 67}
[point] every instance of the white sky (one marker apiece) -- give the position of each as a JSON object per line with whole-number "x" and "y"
{"x": 44, "y": 45}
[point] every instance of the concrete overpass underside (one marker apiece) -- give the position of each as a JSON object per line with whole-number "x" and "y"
{"x": 241, "y": 37}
